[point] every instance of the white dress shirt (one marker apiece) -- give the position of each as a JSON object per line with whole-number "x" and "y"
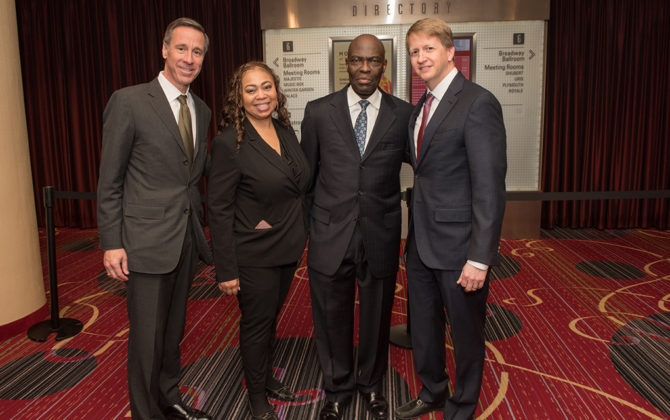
{"x": 372, "y": 110}
{"x": 172, "y": 94}
{"x": 437, "y": 93}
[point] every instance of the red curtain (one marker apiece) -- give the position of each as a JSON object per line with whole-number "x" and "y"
{"x": 607, "y": 126}
{"x": 75, "y": 53}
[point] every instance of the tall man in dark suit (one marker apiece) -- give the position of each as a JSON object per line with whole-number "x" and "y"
{"x": 355, "y": 141}
{"x": 457, "y": 149}
{"x": 154, "y": 145}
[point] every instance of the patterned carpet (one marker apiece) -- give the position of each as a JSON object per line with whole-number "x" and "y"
{"x": 578, "y": 327}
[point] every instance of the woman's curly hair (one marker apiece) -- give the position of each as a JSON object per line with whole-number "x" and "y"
{"x": 233, "y": 109}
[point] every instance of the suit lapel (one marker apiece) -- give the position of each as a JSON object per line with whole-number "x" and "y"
{"x": 202, "y": 126}
{"x": 290, "y": 143}
{"x": 410, "y": 128}
{"x": 443, "y": 108}
{"x": 385, "y": 119}
{"x": 162, "y": 108}
{"x": 342, "y": 119}
{"x": 257, "y": 143}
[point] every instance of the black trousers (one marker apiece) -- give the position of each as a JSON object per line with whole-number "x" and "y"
{"x": 333, "y": 306}
{"x": 263, "y": 291}
{"x": 430, "y": 292}
{"x": 156, "y": 306}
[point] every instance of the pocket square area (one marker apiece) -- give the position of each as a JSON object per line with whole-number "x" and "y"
{"x": 263, "y": 225}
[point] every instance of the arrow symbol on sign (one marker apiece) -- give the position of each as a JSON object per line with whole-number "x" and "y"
{"x": 276, "y": 62}
{"x": 532, "y": 54}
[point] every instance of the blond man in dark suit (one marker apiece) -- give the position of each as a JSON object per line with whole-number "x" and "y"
{"x": 457, "y": 149}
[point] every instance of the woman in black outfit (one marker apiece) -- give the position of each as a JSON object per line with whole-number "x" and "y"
{"x": 257, "y": 181}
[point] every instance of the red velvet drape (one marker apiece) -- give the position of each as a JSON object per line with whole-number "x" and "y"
{"x": 607, "y": 122}
{"x": 75, "y": 53}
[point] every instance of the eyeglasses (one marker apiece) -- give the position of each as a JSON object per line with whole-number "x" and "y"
{"x": 356, "y": 61}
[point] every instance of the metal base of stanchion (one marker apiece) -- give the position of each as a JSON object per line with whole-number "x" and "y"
{"x": 68, "y": 327}
{"x": 399, "y": 336}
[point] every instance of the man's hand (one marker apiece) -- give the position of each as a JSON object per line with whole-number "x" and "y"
{"x": 230, "y": 288}
{"x": 116, "y": 264}
{"x": 472, "y": 278}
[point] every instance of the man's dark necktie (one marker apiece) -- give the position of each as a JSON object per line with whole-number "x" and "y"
{"x": 185, "y": 127}
{"x": 424, "y": 119}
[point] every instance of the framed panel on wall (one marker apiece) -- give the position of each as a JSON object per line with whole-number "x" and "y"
{"x": 464, "y": 60}
{"x": 339, "y": 47}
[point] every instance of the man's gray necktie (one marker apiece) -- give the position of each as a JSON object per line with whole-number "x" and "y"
{"x": 185, "y": 127}
{"x": 361, "y": 126}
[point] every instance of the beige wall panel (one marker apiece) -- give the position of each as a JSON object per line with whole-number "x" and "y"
{"x": 21, "y": 283}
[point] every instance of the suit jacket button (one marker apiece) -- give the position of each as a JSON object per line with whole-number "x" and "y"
{"x": 186, "y": 211}
{"x": 185, "y": 162}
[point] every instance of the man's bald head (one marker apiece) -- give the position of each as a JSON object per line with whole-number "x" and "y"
{"x": 370, "y": 41}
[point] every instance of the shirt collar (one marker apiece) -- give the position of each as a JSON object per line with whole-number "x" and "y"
{"x": 353, "y": 98}
{"x": 171, "y": 92}
{"x": 442, "y": 87}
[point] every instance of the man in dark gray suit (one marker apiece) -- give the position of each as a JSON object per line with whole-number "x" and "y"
{"x": 355, "y": 141}
{"x": 154, "y": 145}
{"x": 457, "y": 149}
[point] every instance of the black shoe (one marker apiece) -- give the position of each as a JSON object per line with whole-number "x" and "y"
{"x": 377, "y": 405}
{"x": 331, "y": 411}
{"x": 417, "y": 408}
{"x": 264, "y": 410}
{"x": 269, "y": 415}
{"x": 283, "y": 393}
{"x": 184, "y": 412}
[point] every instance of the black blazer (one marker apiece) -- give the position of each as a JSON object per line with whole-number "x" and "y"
{"x": 147, "y": 191}
{"x": 251, "y": 185}
{"x": 458, "y": 199}
{"x": 347, "y": 188}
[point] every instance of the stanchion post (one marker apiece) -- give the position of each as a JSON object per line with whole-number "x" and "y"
{"x": 401, "y": 334}
{"x": 63, "y": 327}
{"x": 48, "y": 198}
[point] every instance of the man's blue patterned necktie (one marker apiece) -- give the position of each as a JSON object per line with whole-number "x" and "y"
{"x": 361, "y": 126}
